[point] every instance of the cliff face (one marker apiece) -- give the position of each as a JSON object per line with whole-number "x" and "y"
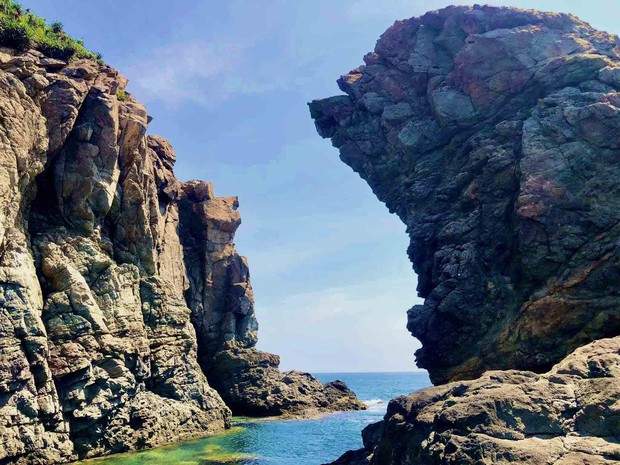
{"x": 494, "y": 134}
{"x": 120, "y": 287}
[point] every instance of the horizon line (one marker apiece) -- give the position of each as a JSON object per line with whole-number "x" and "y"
{"x": 418, "y": 370}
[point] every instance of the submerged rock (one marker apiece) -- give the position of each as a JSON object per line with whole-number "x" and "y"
{"x": 119, "y": 285}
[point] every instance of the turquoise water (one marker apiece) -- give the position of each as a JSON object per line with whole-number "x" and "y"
{"x": 288, "y": 442}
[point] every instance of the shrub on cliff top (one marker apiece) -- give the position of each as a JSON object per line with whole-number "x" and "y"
{"x": 21, "y": 29}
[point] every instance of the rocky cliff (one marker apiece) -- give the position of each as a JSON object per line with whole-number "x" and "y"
{"x": 123, "y": 302}
{"x": 494, "y": 134}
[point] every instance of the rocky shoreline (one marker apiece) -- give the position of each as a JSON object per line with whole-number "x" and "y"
{"x": 494, "y": 134}
{"x": 126, "y": 314}
{"x": 566, "y": 416}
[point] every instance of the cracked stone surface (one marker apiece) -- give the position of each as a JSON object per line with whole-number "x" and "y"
{"x": 568, "y": 416}
{"x": 493, "y": 134}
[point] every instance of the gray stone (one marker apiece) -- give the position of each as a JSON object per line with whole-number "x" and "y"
{"x": 568, "y": 416}
{"x": 506, "y": 173}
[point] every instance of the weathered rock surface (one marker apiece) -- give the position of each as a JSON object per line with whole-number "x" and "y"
{"x": 494, "y": 134}
{"x": 568, "y": 416}
{"x": 251, "y": 384}
{"x": 119, "y": 285}
{"x": 222, "y": 303}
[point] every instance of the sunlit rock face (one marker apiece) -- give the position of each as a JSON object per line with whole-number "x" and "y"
{"x": 222, "y": 303}
{"x": 120, "y": 287}
{"x": 97, "y": 351}
{"x": 494, "y": 134}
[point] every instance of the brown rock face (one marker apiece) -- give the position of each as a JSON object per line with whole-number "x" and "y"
{"x": 494, "y": 134}
{"x": 251, "y": 384}
{"x": 96, "y": 343}
{"x": 119, "y": 285}
{"x": 222, "y": 303}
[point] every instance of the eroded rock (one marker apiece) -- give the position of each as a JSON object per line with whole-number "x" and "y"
{"x": 251, "y": 384}
{"x": 222, "y": 302}
{"x": 493, "y": 134}
{"x": 117, "y": 281}
{"x": 570, "y": 415}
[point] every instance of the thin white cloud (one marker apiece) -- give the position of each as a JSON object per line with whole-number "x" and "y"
{"x": 360, "y": 326}
{"x": 208, "y": 67}
{"x": 391, "y": 10}
{"x": 181, "y": 71}
{"x": 296, "y": 250}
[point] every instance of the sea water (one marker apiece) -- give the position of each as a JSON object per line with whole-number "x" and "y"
{"x": 287, "y": 442}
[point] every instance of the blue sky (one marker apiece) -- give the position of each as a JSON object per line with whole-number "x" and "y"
{"x": 227, "y": 83}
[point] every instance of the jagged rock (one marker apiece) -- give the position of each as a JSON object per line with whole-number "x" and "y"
{"x": 493, "y": 134}
{"x": 91, "y": 334}
{"x": 222, "y": 303}
{"x": 251, "y": 384}
{"x": 568, "y": 416}
{"x": 117, "y": 281}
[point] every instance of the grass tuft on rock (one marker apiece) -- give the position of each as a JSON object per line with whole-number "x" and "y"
{"x": 122, "y": 96}
{"x": 22, "y": 29}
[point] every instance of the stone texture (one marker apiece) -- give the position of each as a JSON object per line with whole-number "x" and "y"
{"x": 119, "y": 285}
{"x": 222, "y": 303}
{"x": 493, "y": 134}
{"x": 251, "y": 384}
{"x": 97, "y": 345}
{"x": 568, "y": 416}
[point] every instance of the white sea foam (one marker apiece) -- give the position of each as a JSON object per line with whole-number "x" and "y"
{"x": 374, "y": 402}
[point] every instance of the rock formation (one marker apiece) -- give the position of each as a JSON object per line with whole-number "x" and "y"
{"x": 123, "y": 301}
{"x": 251, "y": 384}
{"x": 568, "y": 416}
{"x": 222, "y": 304}
{"x": 494, "y": 134}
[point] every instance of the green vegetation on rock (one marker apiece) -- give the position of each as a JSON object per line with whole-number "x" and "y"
{"x": 21, "y": 29}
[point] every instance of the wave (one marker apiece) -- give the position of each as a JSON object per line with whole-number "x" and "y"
{"x": 374, "y": 402}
